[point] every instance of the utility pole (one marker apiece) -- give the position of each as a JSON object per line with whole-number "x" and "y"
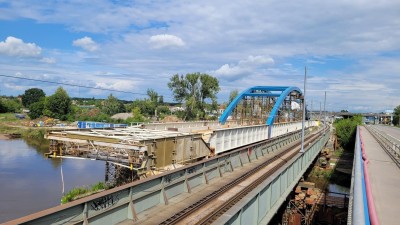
{"x": 304, "y": 111}
{"x": 324, "y": 113}
{"x": 320, "y": 111}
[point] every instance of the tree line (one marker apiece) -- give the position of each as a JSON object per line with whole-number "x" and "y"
{"x": 196, "y": 93}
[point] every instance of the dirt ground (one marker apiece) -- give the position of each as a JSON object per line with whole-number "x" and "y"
{"x": 4, "y": 137}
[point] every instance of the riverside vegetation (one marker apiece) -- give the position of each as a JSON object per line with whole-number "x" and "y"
{"x": 79, "y": 192}
{"x": 345, "y": 131}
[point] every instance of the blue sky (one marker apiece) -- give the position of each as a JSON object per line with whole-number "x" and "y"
{"x": 351, "y": 48}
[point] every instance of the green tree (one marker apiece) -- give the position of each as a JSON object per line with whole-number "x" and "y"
{"x": 3, "y": 108}
{"x": 162, "y": 111}
{"x": 94, "y": 114}
{"x": 58, "y": 105}
{"x": 197, "y": 91}
{"x": 137, "y": 115}
{"x": 346, "y": 131}
{"x": 146, "y": 106}
{"x": 396, "y": 116}
{"x": 31, "y": 96}
{"x": 209, "y": 87}
{"x": 233, "y": 95}
{"x": 112, "y": 106}
{"x": 11, "y": 104}
{"x": 153, "y": 95}
{"x": 36, "y": 109}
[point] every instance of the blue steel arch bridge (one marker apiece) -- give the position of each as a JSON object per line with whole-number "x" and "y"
{"x": 265, "y": 104}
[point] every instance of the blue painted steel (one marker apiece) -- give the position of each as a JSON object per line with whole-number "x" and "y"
{"x": 90, "y": 124}
{"x": 358, "y": 210}
{"x": 250, "y": 92}
{"x": 262, "y": 95}
{"x": 364, "y": 191}
{"x": 278, "y": 103}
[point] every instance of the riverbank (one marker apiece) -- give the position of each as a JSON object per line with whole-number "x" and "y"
{"x": 34, "y": 136}
{"x": 4, "y": 137}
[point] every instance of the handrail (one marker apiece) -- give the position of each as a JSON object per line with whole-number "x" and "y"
{"x": 371, "y": 205}
{"x": 357, "y": 209}
{"x": 362, "y": 207}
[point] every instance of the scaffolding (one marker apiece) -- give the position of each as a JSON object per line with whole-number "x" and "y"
{"x": 255, "y": 110}
{"x": 140, "y": 150}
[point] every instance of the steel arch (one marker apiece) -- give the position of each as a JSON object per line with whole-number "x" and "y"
{"x": 285, "y": 91}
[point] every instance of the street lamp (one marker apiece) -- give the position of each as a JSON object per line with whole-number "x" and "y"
{"x": 304, "y": 111}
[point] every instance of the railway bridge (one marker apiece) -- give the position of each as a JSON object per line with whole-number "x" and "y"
{"x": 237, "y": 171}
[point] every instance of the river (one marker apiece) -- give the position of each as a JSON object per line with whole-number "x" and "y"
{"x": 29, "y": 182}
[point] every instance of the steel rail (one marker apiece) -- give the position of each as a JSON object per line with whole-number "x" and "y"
{"x": 275, "y": 141}
{"x": 223, "y": 208}
{"x": 228, "y": 204}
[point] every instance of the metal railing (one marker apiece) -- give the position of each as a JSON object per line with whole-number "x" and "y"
{"x": 127, "y": 201}
{"x": 391, "y": 147}
{"x": 357, "y": 203}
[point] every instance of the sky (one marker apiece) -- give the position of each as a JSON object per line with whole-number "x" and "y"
{"x": 351, "y": 48}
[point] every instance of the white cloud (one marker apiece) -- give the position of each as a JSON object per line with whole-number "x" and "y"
{"x": 120, "y": 85}
{"x": 258, "y": 60}
{"x": 86, "y": 43}
{"x": 228, "y": 71}
{"x": 245, "y": 67}
{"x": 15, "y": 86}
{"x": 48, "y": 60}
{"x": 231, "y": 41}
{"x": 165, "y": 40}
{"x": 17, "y": 47}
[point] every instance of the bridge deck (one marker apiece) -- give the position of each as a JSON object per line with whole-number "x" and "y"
{"x": 385, "y": 180}
{"x": 162, "y": 212}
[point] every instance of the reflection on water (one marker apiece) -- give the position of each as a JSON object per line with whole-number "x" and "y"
{"x": 29, "y": 182}
{"x": 338, "y": 189}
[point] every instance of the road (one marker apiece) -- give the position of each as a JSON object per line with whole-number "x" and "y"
{"x": 393, "y": 132}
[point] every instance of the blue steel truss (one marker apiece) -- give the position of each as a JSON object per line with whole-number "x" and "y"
{"x": 265, "y": 92}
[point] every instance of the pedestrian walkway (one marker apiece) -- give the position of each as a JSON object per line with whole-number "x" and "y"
{"x": 385, "y": 180}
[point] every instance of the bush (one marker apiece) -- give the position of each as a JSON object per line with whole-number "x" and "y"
{"x": 346, "y": 131}
{"x": 83, "y": 191}
{"x": 10, "y": 105}
{"x": 36, "y": 109}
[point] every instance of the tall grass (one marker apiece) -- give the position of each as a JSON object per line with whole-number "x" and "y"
{"x": 79, "y": 192}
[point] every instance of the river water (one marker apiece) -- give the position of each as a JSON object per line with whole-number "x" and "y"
{"x": 29, "y": 182}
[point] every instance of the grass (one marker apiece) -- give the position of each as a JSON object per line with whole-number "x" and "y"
{"x": 338, "y": 152}
{"x": 5, "y": 129}
{"x": 33, "y": 136}
{"x": 8, "y": 117}
{"x": 9, "y": 124}
{"x": 79, "y": 192}
{"x": 34, "y": 133}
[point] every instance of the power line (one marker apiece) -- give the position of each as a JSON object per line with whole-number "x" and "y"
{"x": 72, "y": 85}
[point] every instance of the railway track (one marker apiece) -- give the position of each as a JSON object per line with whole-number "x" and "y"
{"x": 209, "y": 218}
